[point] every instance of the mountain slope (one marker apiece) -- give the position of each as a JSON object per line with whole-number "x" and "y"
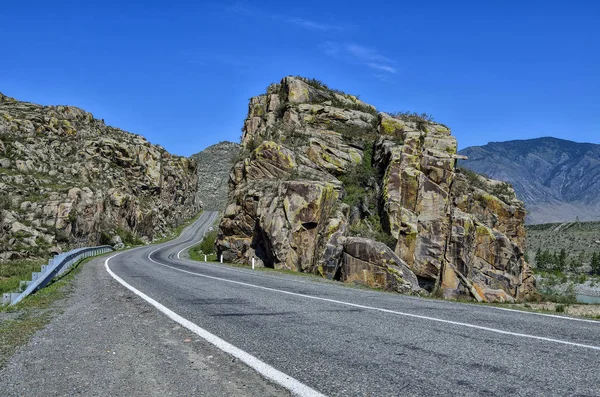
{"x": 214, "y": 164}
{"x": 66, "y": 178}
{"x": 557, "y": 179}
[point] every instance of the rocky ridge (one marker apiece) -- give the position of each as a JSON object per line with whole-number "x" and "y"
{"x": 214, "y": 164}
{"x": 66, "y": 178}
{"x": 327, "y": 184}
{"x": 558, "y": 180}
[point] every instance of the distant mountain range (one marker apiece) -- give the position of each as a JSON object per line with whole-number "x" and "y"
{"x": 558, "y": 180}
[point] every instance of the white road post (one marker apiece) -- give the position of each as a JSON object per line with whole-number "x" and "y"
{"x": 221, "y": 258}
{"x": 252, "y": 263}
{"x": 204, "y": 258}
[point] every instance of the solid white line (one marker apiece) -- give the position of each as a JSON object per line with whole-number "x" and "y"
{"x": 293, "y": 385}
{"x": 248, "y": 272}
{"x": 499, "y": 331}
{"x": 191, "y": 245}
{"x": 263, "y": 276}
{"x": 484, "y": 307}
{"x": 372, "y": 292}
{"x": 544, "y": 314}
{"x": 300, "y": 281}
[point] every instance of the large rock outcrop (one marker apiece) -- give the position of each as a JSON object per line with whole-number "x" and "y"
{"x": 214, "y": 164}
{"x": 67, "y": 178}
{"x": 328, "y": 185}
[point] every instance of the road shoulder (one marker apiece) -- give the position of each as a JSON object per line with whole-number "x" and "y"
{"x": 107, "y": 341}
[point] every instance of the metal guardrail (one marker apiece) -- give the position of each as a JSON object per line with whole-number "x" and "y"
{"x": 56, "y": 266}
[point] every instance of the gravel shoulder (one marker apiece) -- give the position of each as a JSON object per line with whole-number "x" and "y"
{"x": 107, "y": 341}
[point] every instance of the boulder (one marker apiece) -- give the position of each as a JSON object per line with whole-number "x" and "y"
{"x": 374, "y": 264}
{"x": 117, "y": 242}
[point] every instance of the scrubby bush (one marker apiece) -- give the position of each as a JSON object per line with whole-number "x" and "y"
{"x": 358, "y": 180}
{"x": 420, "y": 118}
{"x": 207, "y": 245}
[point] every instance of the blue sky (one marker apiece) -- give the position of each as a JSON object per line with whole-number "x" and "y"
{"x": 181, "y": 73}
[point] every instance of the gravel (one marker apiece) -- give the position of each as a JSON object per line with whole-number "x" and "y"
{"x": 110, "y": 342}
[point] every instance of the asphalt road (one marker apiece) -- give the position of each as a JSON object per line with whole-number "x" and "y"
{"x": 347, "y": 341}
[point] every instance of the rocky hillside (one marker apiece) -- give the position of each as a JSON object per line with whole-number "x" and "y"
{"x": 558, "y": 180}
{"x": 67, "y": 178}
{"x": 329, "y": 185}
{"x": 214, "y": 164}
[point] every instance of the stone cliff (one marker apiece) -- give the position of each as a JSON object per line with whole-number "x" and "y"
{"x": 67, "y": 178}
{"x": 214, "y": 164}
{"x": 326, "y": 184}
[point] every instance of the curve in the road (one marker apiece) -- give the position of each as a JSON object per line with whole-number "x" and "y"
{"x": 229, "y": 308}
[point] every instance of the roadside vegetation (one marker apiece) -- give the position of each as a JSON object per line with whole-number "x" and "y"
{"x": 206, "y": 247}
{"x": 20, "y": 322}
{"x": 360, "y": 194}
{"x": 12, "y": 272}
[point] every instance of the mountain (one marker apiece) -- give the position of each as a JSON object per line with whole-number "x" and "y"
{"x": 67, "y": 178}
{"x": 326, "y": 184}
{"x": 214, "y": 164}
{"x": 558, "y": 180}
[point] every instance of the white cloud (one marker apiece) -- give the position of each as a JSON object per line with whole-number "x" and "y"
{"x": 313, "y": 25}
{"x": 367, "y": 54}
{"x": 385, "y": 68}
{"x": 361, "y": 54}
{"x": 242, "y": 7}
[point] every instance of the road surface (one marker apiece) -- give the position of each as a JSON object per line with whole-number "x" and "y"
{"x": 345, "y": 341}
{"x": 313, "y": 336}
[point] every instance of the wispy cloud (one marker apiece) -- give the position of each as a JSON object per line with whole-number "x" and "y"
{"x": 313, "y": 25}
{"x": 385, "y": 68}
{"x": 360, "y": 54}
{"x": 242, "y": 7}
{"x": 367, "y": 54}
{"x": 330, "y": 48}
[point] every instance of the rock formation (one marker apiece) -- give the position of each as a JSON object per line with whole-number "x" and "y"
{"x": 328, "y": 185}
{"x": 214, "y": 164}
{"x": 67, "y": 178}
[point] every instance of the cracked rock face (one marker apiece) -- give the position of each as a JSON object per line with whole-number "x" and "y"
{"x": 214, "y": 164}
{"x": 326, "y": 184}
{"x": 66, "y": 177}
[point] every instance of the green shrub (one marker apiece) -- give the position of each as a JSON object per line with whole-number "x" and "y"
{"x": 207, "y": 245}
{"x": 104, "y": 238}
{"x": 357, "y": 181}
{"x": 413, "y": 117}
{"x": 503, "y": 189}
{"x": 128, "y": 237}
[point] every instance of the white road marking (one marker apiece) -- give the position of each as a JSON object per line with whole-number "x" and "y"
{"x": 262, "y": 275}
{"x": 249, "y": 273}
{"x": 406, "y": 297}
{"x": 296, "y": 387}
{"x": 191, "y": 245}
{"x": 440, "y": 320}
{"x": 544, "y": 314}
